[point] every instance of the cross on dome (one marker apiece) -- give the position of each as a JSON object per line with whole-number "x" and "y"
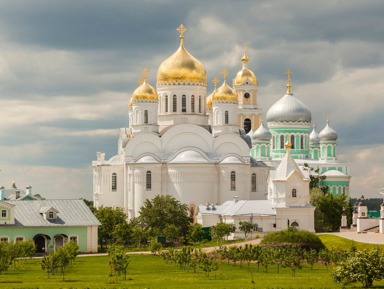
{"x": 215, "y": 80}
{"x": 181, "y": 29}
{"x": 225, "y": 73}
{"x": 245, "y": 57}
{"x": 145, "y": 72}
{"x": 314, "y": 122}
{"x": 140, "y": 80}
{"x": 289, "y": 72}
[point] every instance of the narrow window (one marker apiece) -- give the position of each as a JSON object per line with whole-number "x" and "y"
{"x": 183, "y": 103}
{"x": 273, "y": 142}
{"x": 4, "y": 239}
{"x": 145, "y": 116}
{"x": 114, "y": 182}
{"x": 50, "y": 215}
{"x": 226, "y": 117}
{"x": 302, "y": 142}
{"x": 149, "y": 181}
{"x": 292, "y": 141}
{"x": 233, "y": 181}
{"x": 254, "y": 187}
{"x": 3, "y": 213}
{"x": 281, "y": 141}
{"x": 192, "y": 103}
{"x": 19, "y": 239}
{"x": 174, "y": 103}
{"x": 247, "y": 125}
{"x": 294, "y": 193}
{"x": 73, "y": 239}
{"x": 166, "y": 103}
{"x": 200, "y": 104}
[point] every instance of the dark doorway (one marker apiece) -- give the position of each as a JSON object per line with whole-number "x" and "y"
{"x": 247, "y": 125}
{"x": 40, "y": 244}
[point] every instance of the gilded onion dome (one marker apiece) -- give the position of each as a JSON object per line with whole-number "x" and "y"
{"x": 262, "y": 133}
{"x": 215, "y": 80}
{"x": 314, "y": 137}
{"x": 289, "y": 109}
{"x": 245, "y": 74}
{"x": 181, "y": 66}
{"x": 225, "y": 92}
{"x": 144, "y": 91}
{"x": 328, "y": 133}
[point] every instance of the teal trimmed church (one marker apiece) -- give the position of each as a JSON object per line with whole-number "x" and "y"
{"x": 289, "y": 120}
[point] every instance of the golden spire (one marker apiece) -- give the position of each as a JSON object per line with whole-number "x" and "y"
{"x": 140, "y": 80}
{"x": 289, "y": 81}
{"x": 288, "y": 144}
{"x": 181, "y": 29}
{"x": 245, "y": 57}
{"x": 225, "y": 73}
{"x": 215, "y": 80}
{"x": 145, "y": 72}
{"x": 327, "y": 114}
{"x": 314, "y": 122}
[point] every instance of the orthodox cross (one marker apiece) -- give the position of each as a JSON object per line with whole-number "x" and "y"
{"x": 289, "y": 81}
{"x": 145, "y": 72}
{"x": 215, "y": 80}
{"x": 181, "y": 29}
{"x": 225, "y": 73}
{"x": 140, "y": 80}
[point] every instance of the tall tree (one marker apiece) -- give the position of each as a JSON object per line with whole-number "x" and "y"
{"x": 109, "y": 219}
{"x": 331, "y": 208}
{"x": 161, "y": 211}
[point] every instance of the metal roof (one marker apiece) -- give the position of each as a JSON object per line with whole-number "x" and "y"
{"x": 71, "y": 213}
{"x": 243, "y": 207}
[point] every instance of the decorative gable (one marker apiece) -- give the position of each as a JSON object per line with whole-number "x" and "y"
{"x": 49, "y": 213}
{"x": 7, "y": 213}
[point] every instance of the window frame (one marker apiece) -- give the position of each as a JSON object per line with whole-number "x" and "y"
{"x": 174, "y": 103}
{"x": 4, "y": 215}
{"x": 233, "y": 181}
{"x": 294, "y": 193}
{"x": 148, "y": 181}
{"x": 193, "y": 103}
{"x": 166, "y": 103}
{"x": 74, "y": 236}
{"x": 226, "y": 117}
{"x": 145, "y": 116}
{"x": 114, "y": 182}
{"x": 254, "y": 183}
{"x": 183, "y": 103}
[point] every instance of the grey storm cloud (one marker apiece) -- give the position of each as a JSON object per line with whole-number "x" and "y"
{"x": 68, "y": 69}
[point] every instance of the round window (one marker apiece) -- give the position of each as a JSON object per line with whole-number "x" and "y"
{"x": 247, "y": 95}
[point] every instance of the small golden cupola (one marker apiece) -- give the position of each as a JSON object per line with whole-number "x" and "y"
{"x": 144, "y": 92}
{"x": 181, "y": 66}
{"x": 215, "y": 81}
{"x": 245, "y": 74}
{"x": 225, "y": 92}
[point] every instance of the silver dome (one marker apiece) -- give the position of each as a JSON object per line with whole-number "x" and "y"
{"x": 262, "y": 133}
{"x": 288, "y": 108}
{"x": 328, "y": 134}
{"x": 314, "y": 137}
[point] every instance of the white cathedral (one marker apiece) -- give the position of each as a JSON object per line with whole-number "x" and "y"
{"x": 213, "y": 152}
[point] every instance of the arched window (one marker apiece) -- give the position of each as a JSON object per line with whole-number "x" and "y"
{"x": 292, "y": 141}
{"x": 329, "y": 151}
{"x": 200, "y": 104}
{"x": 247, "y": 125}
{"x": 145, "y": 116}
{"x": 226, "y": 117}
{"x": 281, "y": 141}
{"x": 183, "y": 103}
{"x": 295, "y": 224}
{"x": 166, "y": 103}
{"x": 148, "y": 181}
{"x": 114, "y": 182}
{"x": 294, "y": 193}
{"x": 273, "y": 142}
{"x": 174, "y": 103}
{"x": 233, "y": 181}
{"x": 302, "y": 142}
{"x": 254, "y": 186}
{"x": 192, "y": 103}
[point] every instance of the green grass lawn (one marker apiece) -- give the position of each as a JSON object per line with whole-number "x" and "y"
{"x": 339, "y": 243}
{"x": 148, "y": 271}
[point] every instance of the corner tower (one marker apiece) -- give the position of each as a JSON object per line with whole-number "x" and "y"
{"x": 245, "y": 84}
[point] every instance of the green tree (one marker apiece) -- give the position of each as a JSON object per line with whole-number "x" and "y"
{"x": 245, "y": 227}
{"x": 63, "y": 259}
{"x": 109, "y": 219}
{"x": 156, "y": 247}
{"x": 118, "y": 260}
{"x": 122, "y": 234}
{"x": 195, "y": 233}
{"x": 139, "y": 236}
{"x": 5, "y": 257}
{"x": 361, "y": 266}
{"x": 316, "y": 180}
{"x": 161, "y": 211}
{"x": 171, "y": 232}
{"x": 314, "y": 195}
{"x": 49, "y": 264}
{"x": 221, "y": 230}
{"x": 331, "y": 208}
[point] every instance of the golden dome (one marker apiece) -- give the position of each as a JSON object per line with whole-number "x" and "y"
{"x": 243, "y": 75}
{"x": 215, "y": 80}
{"x": 144, "y": 91}
{"x": 225, "y": 92}
{"x": 181, "y": 66}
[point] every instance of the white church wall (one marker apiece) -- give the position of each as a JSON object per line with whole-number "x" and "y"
{"x": 242, "y": 187}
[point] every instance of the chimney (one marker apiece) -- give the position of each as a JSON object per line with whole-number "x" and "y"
{"x": 235, "y": 199}
{"x": 101, "y": 157}
{"x": 2, "y": 193}
{"x": 29, "y": 191}
{"x": 17, "y": 194}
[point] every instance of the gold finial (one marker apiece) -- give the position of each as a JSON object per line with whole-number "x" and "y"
{"x": 289, "y": 81}
{"x": 327, "y": 114}
{"x": 215, "y": 81}
{"x": 14, "y": 182}
{"x": 225, "y": 73}
{"x": 145, "y": 72}
{"x": 288, "y": 144}
{"x": 181, "y": 29}
{"x": 314, "y": 122}
{"x": 245, "y": 57}
{"x": 140, "y": 80}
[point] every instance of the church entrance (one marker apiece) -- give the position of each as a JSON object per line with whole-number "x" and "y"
{"x": 59, "y": 241}
{"x": 247, "y": 125}
{"x": 40, "y": 243}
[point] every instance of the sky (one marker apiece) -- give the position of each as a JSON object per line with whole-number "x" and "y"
{"x": 68, "y": 70}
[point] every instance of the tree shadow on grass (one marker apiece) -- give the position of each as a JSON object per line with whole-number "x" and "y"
{"x": 11, "y": 281}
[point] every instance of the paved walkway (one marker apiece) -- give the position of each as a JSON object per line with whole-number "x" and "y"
{"x": 370, "y": 237}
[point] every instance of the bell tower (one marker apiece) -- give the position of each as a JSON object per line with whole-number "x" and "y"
{"x": 245, "y": 84}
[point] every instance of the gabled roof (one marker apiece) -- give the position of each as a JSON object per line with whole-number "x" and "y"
{"x": 286, "y": 167}
{"x": 72, "y": 213}
{"x": 47, "y": 209}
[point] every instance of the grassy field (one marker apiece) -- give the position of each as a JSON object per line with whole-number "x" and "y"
{"x": 335, "y": 242}
{"x": 148, "y": 271}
